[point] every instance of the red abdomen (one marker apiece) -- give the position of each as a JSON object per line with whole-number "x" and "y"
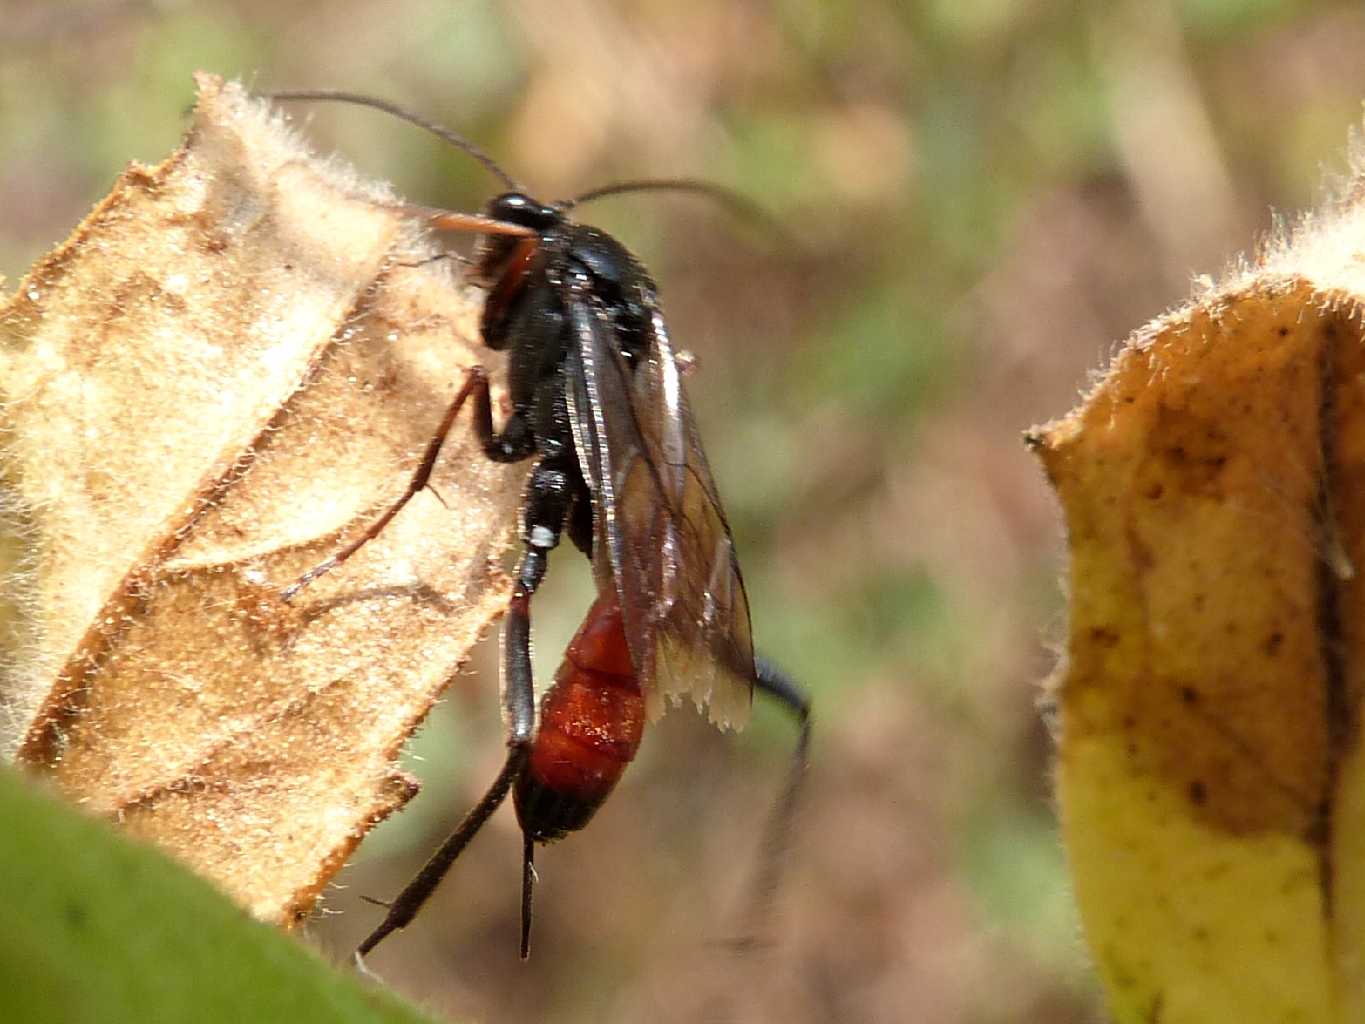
{"x": 591, "y": 720}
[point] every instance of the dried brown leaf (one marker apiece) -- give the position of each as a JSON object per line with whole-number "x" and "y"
{"x": 231, "y": 365}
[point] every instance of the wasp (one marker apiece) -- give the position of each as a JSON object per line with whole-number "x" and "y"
{"x": 597, "y": 401}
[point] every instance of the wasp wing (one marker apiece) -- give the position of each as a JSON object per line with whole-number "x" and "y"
{"x": 659, "y": 531}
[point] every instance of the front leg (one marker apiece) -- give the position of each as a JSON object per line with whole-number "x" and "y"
{"x": 514, "y": 443}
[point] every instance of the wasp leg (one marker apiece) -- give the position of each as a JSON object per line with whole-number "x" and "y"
{"x": 547, "y": 501}
{"x": 776, "y": 684}
{"x": 514, "y": 443}
{"x": 772, "y": 681}
{"x": 436, "y": 258}
{"x": 404, "y": 908}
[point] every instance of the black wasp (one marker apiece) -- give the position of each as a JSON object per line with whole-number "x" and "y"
{"x": 598, "y": 402}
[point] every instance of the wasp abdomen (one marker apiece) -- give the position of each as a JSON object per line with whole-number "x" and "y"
{"x": 591, "y": 720}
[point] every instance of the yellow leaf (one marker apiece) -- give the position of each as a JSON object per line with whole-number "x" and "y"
{"x": 1210, "y": 777}
{"x": 230, "y": 367}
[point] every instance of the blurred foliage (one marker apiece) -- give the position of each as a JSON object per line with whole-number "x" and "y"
{"x": 987, "y": 195}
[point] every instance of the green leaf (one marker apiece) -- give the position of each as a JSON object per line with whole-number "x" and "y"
{"x": 101, "y": 929}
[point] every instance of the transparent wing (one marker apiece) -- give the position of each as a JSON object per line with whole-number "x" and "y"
{"x": 659, "y": 532}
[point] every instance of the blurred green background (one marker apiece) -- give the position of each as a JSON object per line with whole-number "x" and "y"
{"x": 987, "y": 195}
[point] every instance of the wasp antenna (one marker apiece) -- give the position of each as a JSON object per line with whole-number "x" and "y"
{"x": 738, "y": 204}
{"x": 361, "y": 100}
{"x": 528, "y": 881}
